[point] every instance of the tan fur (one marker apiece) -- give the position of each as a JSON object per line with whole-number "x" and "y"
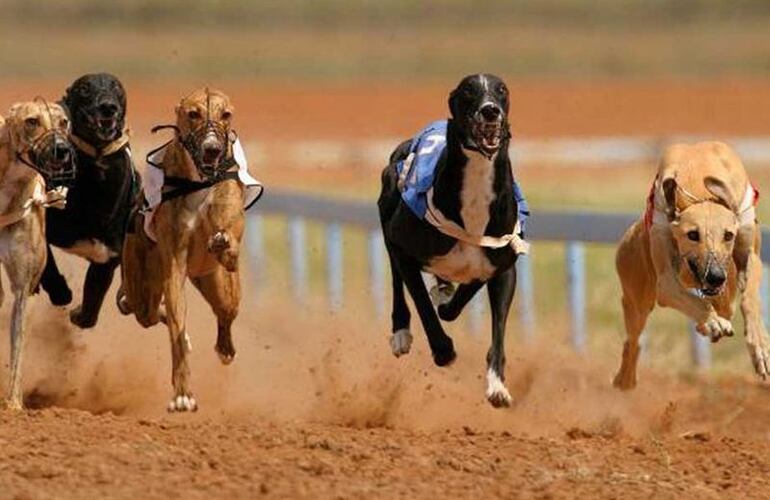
{"x": 198, "y": 237}
{"x": 652, "y": 264}
{"x": 22, "y": 244}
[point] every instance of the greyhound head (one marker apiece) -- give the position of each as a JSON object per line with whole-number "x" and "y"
{"x": 38, "y": 132}
{"x": 704, "y": 234}
{"x": 97, "y": 105}
{"x": 479, "y": 107}
{"x": 203, "y": 125}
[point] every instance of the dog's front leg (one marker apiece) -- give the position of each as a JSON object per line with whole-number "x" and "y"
{"x": 441, "y": 345}
{"x": 501, "y": 289}
{"x": 97, "y": 283}
{"x": 756, "y": 335}
{"x": 671, "y": 293}
{"x": 176, "y": 311}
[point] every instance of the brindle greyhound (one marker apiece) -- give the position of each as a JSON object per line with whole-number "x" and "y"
{"x": 468, "y": 234}
{"x": 199, "y": 226}
{"x": 36, "y": 158}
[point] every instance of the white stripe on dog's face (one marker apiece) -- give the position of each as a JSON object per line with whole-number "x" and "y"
{"x": 484, "y": 82}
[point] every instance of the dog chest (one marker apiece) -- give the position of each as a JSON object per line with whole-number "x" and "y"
{"x": 465, "y": 262}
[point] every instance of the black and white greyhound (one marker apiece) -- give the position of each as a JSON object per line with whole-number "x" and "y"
{"x": 458, "y": 219}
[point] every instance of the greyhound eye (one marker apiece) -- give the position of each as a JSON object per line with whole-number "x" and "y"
{"x": 193, "y": 114}
{"x": 729, "y": 236}
{"x": 64, "y": 123}
{"x": 31, "y": 122}
{"x": 502, "y": 89}
{"x": 226, "y": 115}
{"x": 693, "y": 235}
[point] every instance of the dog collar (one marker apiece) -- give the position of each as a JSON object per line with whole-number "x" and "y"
{"x": 111, "y": 148}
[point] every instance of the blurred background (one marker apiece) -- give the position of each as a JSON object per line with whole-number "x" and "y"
{"x": 325, "y": 89}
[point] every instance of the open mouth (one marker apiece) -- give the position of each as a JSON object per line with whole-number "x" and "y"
{"x": 712, "y": 292}
{"x": 106, "y": 128}
{"x": 210, "y": 157}
{"x": 488, "y": 135}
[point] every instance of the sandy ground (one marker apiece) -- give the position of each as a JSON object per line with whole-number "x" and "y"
{"x": 316, "y": 406}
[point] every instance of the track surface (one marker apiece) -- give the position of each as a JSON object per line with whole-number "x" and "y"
{"x": 315, "y": 405}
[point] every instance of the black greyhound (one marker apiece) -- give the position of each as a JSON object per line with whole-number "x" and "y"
{"x": 458, "y": 220}
{"x": 93, "y": 224}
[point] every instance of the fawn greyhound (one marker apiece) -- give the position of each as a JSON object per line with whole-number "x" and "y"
{"x": 696, "y": 247}
{"x": 36, "y": 165}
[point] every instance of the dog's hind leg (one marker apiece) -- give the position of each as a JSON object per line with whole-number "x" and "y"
{"x": 97, "y": 283}
{"x": 751, "y": 309}
{"x": 401, "y": 340}
{"x": 17, "y": 344}
{"x": 452, "y": 309}
{"x": 441, "y": 345}
{"x": 638, "y": 283}
{"x": 54, "y": 283}
{"x": 222, "y": 290}
{"x": 501, "y": 289}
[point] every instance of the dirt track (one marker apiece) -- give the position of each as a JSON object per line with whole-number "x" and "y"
{"x": 316, "y": 406}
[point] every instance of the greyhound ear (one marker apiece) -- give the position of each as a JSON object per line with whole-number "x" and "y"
{"x": 669, "y": 192}
{"x": 5, "y": 132}
{"x": 453, "y": 98}
{"x": 723, "y": 195}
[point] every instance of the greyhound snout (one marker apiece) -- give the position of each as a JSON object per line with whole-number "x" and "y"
{"x": 715, "y": 276}
{"x": 491, "y": 112}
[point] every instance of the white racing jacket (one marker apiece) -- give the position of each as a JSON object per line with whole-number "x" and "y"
{"x": 154, "y": 180}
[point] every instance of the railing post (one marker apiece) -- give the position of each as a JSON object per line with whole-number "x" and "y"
{"x": 376, "y": 257}
{"x": 297, "y": 248}
{"x": 700, "y": 346}
{"x": 255, "y": 248}
{"x": 575, "y": 259}
{"x": 334, "y": 265}
{"x": 526, "y": 293}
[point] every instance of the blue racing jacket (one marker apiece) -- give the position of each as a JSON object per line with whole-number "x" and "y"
{"x": 424, "y": 153}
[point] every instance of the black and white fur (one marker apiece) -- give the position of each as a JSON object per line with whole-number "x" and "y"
{"x": 93, "y": 224}
{"x": 473, "y": 188}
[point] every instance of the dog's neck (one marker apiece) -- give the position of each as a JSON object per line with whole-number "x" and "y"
{"x": 454, "y": 179}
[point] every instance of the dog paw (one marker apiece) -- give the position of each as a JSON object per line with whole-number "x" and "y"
{"x": 122, "y": 302}
{"x": 624, "y": 382}
{"x": 219, "y": 242}
{"x": 61, "y": 296}
{"x": 447, "y": 314}
{"x": 759, "y": 351}
{"x": 182, "y": 403}
{"x": 715, "y": 327}
{"x": 497, "y": 394}
{"x": 444, "y": 355}
{"x": 441, "y": 293}
{"x": 12, "y": 405}
{"x": 78, "y": 319}
{"x": 226, "y": 353}
{"x": 401, "y": 342}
